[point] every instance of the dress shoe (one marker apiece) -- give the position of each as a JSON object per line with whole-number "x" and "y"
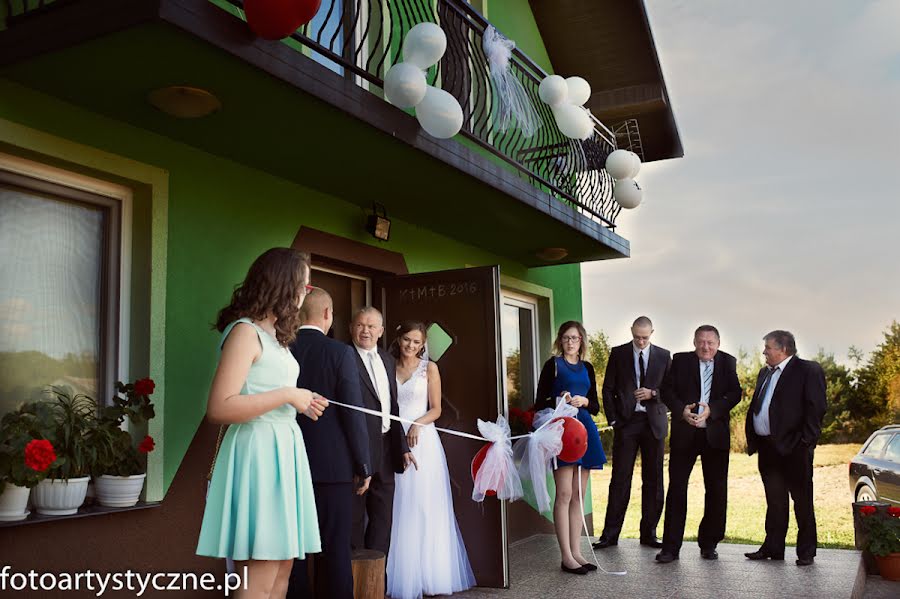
{"x": 805, "y": 561}
{"x": 664, "y": 557}
{"x": 763, "y": 554}
{"x": 579, "y": 570}
{"x": 652, "y": 542}
{"x": 603, "y": 543}
{"x": 589, "y": 567}
{"x": 710, "y": 554}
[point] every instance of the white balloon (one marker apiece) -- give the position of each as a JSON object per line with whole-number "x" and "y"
{"x": 405, "y": 85}
{"x": 573, "y": 121}
{"x": 636, "y": 165}
{"x": 553, "y": 90}
{"x": 424, "y": 45}
{"x": 579, "y": 90}
{"x": 439, "y": 113}
{"x": 628, "y": 193}
{"x": 619, "y": 164}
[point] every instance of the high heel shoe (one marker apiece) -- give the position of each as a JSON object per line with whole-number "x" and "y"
{"x": 579, "y": 570}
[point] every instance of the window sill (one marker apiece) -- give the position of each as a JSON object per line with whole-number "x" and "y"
{"x": 84, "y": 511}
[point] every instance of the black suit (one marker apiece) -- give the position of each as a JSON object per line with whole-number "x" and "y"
{"x": 712, "y": 444}
{"x": 786, "y": 455}
{"x": 387, "y": 458}
{"x": 338, "y": 448}
{"x": 633, "y": 431}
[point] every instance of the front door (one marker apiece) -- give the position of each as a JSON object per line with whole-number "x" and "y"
{"x": 461, "y": 310}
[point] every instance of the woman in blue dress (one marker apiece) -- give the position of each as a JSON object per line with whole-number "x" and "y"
{"x": 568, "y": 376}
{"x": 260, "y": 510}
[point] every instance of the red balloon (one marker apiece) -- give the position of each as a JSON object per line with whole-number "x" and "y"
{"x": 277, "y": 19}
{"x": 476, "y": 465}
{"x": 574, "y": 440}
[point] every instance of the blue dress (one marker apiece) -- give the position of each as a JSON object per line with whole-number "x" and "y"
{"x": 574, "y": 379}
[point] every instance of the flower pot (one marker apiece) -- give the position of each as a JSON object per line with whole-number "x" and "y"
{"x": 14, "y": 503}
{"x": 60, "y": 497}
{"x": 119, "y": 491}
{"x": 889, "y": 566}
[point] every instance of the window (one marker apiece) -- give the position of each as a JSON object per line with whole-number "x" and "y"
{"x": 876, "y": 445}
{"x": 519, "y": 340}
{"x": 893, "y": 451}
{"x": 59, "y": 285}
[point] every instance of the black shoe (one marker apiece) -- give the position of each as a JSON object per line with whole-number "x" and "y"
{"x": 805, "y": 561}
{"x": 664, "y": 557}
{"x": 763, "y": 554}
{"x": 589, "y": 567}
{"x": 603, "y": 543}
{"x": 710, "y": 554}
{"x": 652, "y": 542}
{"x": 579, "y": 570}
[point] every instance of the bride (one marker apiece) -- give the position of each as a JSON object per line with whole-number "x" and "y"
{"x": 427, "y": 554}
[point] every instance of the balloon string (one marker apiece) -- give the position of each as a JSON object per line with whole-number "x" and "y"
{"x": 584, "y": 523}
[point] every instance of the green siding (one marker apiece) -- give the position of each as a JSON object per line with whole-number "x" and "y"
{"x": 221, "y": 215}
{"x": 514, "y": 19}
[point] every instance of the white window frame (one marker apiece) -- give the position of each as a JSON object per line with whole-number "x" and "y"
{"x": 527, "y": 302}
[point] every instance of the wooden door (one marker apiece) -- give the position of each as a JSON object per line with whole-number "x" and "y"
{"x": 465, "y": 305}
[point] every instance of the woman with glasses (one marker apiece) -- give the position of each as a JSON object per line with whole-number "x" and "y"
{"x": 566, "y": 376}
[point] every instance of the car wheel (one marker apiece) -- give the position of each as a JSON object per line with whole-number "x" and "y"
{"x": 866, "y": 493}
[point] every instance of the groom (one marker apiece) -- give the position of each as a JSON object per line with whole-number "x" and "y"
{"x": 373, "y": 510}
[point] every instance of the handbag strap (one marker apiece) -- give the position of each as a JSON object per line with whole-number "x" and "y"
{"x": 212, "y": 466}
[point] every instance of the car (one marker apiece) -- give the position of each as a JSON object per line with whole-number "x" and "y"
{"x": 875, "y": 470}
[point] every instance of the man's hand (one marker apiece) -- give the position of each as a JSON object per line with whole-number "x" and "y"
{"x": 643, "y": 394}
{"x": 701, "y": 418}
{"x": 409, "y": 458}
{"x": 688, "y": 415}
{"x": 316, "y": 407}
{"x": 362, "y": 485}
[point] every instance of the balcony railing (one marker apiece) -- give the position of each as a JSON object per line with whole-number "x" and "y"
{"x": 362, "y": 39}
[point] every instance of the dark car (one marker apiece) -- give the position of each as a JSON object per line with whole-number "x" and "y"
{"x": 875, "y": 470}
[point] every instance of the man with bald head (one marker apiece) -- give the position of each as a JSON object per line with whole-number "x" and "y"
{"x": 337, "y": 446}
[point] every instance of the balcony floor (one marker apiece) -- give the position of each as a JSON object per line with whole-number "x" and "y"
{"x": 534, "y": 572}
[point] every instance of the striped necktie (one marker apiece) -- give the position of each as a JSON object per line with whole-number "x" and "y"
{"x": 706, "y": 385}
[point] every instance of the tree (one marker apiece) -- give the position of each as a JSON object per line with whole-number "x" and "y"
{"x": 876, "y": 400}
{"x": 598, "y": 354}
{"x": 838, "y": 424}
{"x": 748, "y": 367}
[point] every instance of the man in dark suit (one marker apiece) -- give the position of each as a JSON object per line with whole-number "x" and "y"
{"x": 783, "y": 424}
{"x": 373, "y": 511}
{"x": 701, "y": 389}
{"x": 634, "y": 408}
{"x": 337, "y": 445}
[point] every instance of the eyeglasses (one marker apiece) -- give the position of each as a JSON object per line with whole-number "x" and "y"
{"x": 571, "y": 338}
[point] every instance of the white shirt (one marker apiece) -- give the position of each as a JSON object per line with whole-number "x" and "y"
{"x": 639, "y": 406}
{"x": 761, "y": 420}
{"x": 378, "y": 375}
{"x": 704, "y": 398}
{"x": 313, "y": 327}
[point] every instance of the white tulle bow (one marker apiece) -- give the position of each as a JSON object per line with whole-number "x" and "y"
{"x": 497, "y": 471}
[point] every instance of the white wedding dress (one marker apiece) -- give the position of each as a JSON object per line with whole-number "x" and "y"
{"x": 427, "y": 554}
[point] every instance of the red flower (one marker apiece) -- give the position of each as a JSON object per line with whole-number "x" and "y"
{"x": 867, "y": 510}
{"x": 147, "y": 445}
{"x": 39, "y": 454}
{"x": 894, "y": 511}
{"x": 144, "y": 386}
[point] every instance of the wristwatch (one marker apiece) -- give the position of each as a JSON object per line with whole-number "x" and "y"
{"x": 653, "y": 393}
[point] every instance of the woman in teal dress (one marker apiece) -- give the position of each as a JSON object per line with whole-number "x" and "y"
{"x": 569, "y": 376}
{"x": 260, "y": 510}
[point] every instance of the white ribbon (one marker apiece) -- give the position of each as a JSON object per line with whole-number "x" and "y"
{"x": 497, "y": 472}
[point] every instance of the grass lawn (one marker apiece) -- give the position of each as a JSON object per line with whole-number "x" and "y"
{"x": 747, "y": 500}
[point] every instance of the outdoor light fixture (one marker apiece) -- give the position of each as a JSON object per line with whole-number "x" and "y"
{"x": 378, "y": 223}
{"x": 552, "y": 254}
{"x": 184, "y": 102}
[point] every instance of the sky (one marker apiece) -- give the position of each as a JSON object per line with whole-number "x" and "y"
{"x": 784, "y": 211}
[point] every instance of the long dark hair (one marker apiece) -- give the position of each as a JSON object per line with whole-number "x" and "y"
{"x": 273, "y": 285}
{"x": 405, "y": 327}
{"x": 558, "y": 344}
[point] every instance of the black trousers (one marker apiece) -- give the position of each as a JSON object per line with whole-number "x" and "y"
{"x": 632, "y": 436}
{"x": 782, "y": 476}
{"x": 715, "y": 481}
{"x": 373, "y": 512}
{"x": 334, "y": 577}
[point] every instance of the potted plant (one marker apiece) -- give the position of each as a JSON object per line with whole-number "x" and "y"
{"x": 25, "y": 459}
{"x": 67, "y": 423}
{"x": 883, "y": 531}
{"x": 120, "y": 465}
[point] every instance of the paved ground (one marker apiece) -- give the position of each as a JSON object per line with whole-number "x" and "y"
{"x": 534, "y": 572}
{"x": 879, "y": 588}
